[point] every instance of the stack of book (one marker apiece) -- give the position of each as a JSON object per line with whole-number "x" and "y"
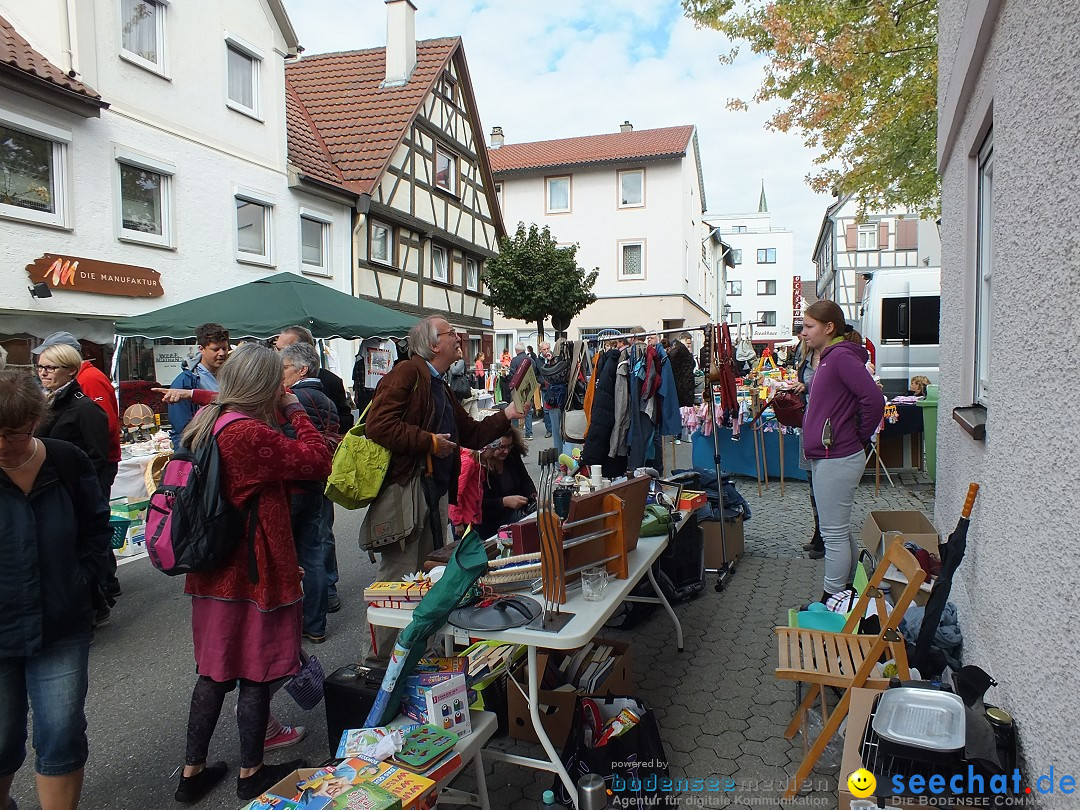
{"x": 490, "y": 659}
{"x": 401, "y": 595}
{"x": 586, "y": 669}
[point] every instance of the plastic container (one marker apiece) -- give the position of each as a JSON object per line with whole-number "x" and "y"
{"x": 929, "y": 407}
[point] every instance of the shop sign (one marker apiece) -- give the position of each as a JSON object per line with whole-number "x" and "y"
{"x": 169, "y": 361}
{"x": 796, "y": 298}
{"x": 94, "y": 276}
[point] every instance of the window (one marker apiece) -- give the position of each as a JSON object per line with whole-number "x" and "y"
{"x": 632, "y": 260}
{"x": 766, "y": 287}
{"x": 984, "y": 270}
{"x": 736, "y": 255}
{"x": 734, "y": 288}
{"x": 243, "y": 74}
{"x": 910, "y": 321}
{"x": 632, "y": 188}
{"x": 445, "y": 170}
{"x": 33, "y": 168}
{"x": 472, "y": 274}
{"x": 142, "y": 33}
{"x": 868, "y": 237}
{"x": 145, "y": 199}
{"x": 314, "y": 243}
{"x": 767, "y": 317}
{"x": 253, "y": 232}
{"x": 739, "y": 229}
{"x": 440, "y": 264}
{"x": 734, "y": 317}
{"x": 766, "y": 256}
{"x": 447, "y": 87}
{"x": 498, "y": 195}
{"x": 558, "y": 195}
{"x": 381, "y": 248}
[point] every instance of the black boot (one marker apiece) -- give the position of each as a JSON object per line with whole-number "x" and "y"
{"x": 193, "y": 788}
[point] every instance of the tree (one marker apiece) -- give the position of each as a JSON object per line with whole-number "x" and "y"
{"x": 533, "y": 278}
{"x": 860, "y": 81}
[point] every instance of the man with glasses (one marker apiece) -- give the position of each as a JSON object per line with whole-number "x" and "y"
{"x": 415, "y": 416}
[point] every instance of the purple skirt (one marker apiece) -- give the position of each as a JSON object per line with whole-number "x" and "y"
{"x": 237, "y": 640}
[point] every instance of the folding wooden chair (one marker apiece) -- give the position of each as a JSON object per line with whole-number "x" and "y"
{"x": 846, "y": 659}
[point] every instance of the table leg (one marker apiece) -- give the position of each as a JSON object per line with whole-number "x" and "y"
{"x": 538, "y": 726}
{"x": 481, "y": 781}
{"x": 667, "y": 606}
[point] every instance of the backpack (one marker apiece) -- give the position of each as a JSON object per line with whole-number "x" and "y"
{"x": 190, "y": 526}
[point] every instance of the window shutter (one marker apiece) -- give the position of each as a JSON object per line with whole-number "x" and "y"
{"x": 907, "y": 234}
{"x": 851, "y": 237}
{"x": 883, "y": 236}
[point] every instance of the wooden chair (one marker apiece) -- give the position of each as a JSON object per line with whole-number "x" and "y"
{"x": 845, "y": 659}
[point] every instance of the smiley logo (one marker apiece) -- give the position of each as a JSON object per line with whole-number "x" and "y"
{"x": 861, "y": 783}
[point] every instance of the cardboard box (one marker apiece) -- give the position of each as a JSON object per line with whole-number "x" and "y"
{"x": 714, "y": 548}
{"x": 862, "y": 702}
{"x": 557, "y": 706}
{"x": 916, "y": 528}
{"x": 444, "y": 705}
{"x": 691, "y": 500}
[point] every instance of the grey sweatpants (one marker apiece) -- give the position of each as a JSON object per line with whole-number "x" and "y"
{"x": 834, "y": 482}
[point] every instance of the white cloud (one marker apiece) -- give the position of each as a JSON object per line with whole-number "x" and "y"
{"x": 563, "y": 68}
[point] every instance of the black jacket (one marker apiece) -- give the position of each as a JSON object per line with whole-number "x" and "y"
{"x": 494, "y": 513}
{"x": 335, "y": 391}
{"x": 320, "y": 409}
{"x": 602, "y": 417}
{"x": 54, "y": 542}
{"x": 75, "y": 418}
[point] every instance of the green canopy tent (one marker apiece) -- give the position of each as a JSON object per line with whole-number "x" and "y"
{"x": 261, "y": 308}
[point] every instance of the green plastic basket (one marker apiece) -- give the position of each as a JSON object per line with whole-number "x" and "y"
{"x": 119, "y": 528}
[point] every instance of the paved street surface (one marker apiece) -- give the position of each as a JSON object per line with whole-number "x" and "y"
{"x": 720, "y": 710}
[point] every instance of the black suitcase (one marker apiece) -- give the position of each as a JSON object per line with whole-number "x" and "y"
{"x": 684, "y": 561}
{"x": 349, "y": 693}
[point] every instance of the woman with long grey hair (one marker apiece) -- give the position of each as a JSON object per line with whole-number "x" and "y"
{"x": 249, "y": 631}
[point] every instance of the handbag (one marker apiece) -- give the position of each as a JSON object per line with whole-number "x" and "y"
{"x": 395, "y": 515}
{"x": 358, "y": 469}
{"x": 788, "y": 408}
{"x": 575, "y": 422}
{"x": 306, "y": 686}
{"x": 744, "y": 347}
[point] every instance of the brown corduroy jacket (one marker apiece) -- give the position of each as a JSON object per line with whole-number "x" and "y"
{"x": 400, "y": 419}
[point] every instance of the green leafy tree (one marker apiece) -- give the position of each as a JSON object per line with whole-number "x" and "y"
{"x": 858, "y": 78}
{"x": 533, "y": 278}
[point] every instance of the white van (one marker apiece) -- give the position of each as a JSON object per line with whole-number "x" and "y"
{"x": 900, "y": 314}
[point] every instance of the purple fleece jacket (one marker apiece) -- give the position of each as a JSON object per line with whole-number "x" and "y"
{"x": 843, "y": 394}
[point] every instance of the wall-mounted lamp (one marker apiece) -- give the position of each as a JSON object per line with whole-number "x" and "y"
{"x": 40, "y": 290}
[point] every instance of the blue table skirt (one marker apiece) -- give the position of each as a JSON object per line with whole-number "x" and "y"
{"x": 738, "y": 456}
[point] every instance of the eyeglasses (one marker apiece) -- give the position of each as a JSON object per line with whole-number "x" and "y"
{"x": 47, "y": 369}
{"x": 440, "y": 334}
{"x": 17, "y": 436}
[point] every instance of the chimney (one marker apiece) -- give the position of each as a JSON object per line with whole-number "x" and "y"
{"x": 496, "y": 137}
{"x": 626, "y": 126}
{"x": 400, "y": 42}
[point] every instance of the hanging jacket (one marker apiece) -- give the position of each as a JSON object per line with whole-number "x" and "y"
{"x": 602, "y": 421}
{"x": 670, "y": 419}
{"x": 843, "y": 398}
{"x": 620, "y": 431}
{"x": 682, "y": 369}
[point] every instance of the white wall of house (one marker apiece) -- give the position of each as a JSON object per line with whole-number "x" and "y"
{"x": 1010, "y": 69}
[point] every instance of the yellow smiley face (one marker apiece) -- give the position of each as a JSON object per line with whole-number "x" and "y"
{"x": 861, "y": 783}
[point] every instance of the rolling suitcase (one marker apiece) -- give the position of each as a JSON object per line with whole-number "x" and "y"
{"x": 349, "y": 693}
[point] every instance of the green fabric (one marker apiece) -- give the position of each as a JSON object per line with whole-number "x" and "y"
{"x": 359, "y": 468}
{"x": 264, "y": 307}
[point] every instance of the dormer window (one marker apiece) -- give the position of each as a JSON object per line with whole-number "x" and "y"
{"x": 447, "y": 88}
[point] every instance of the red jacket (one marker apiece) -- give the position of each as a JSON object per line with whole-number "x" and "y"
{"x": 99, "y": 388}
{"x": 468, "y": 509}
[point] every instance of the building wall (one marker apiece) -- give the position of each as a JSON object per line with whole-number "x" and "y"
{"x": 1016, "y": 589}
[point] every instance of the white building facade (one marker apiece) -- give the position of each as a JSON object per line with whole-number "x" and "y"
{"x": 762, "y": 289}
{"x": 1008, "y": 88}
{"x": 183, "y": 178}
{"x": 633, "y": 202}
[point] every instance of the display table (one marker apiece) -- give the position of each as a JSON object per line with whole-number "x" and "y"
{"x": 587, "y": 619}
{"x": 738, "y": 456}
{"x": 484, "y": 726}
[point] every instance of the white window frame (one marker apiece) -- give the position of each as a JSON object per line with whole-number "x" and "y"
{"x": 866, "y": 236}
{"x": 60, "y": 216}
{"x": 442, "y": 150}
{"x": 734, "y": 317}
{"x": 138, "y": 160}
{"x": 984, "y": 267}
{"x": 256, "y": 56}
{"x": 623, "y": 275}
{"x": 267, "y": 258}
{"x": 763, "y": 286}
{"x": 762, "y": 320}
{"x": 327, "y": 229}
{"x": 389, "y": 261}
{"x": 621, "y": 175}
{"x": 766, "y": 260}
{"x": 447, "y": 276}
{"x": 731, "y": 288}
{"x": 569, "y": 194}
{"x": 472, "y": 274}
{"x": 160, "y": 67}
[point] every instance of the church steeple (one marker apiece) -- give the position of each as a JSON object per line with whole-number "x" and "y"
{"x": 762, "y": 206}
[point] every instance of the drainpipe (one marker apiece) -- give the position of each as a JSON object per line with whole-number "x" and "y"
{"x": 71, "y": 49}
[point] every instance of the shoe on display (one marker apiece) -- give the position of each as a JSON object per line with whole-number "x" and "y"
{"x": 248, "y": 787}
{"x": 192, "y": 788}
{"x": 289, "y": 735}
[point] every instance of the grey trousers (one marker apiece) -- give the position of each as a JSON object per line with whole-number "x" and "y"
{"x": 834, "y": 483}
{"x": 394, "y": 563}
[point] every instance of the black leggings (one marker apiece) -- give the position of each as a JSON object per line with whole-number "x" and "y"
{"x": 252, "y": 713}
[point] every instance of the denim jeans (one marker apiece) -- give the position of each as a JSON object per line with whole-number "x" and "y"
{"x": 53, "y": 684}
{"x": 329, "y": 544}
{"x": 307, "y": 526}
{"x": 528, "y": 419}
{"x": 547, "y": 421}
{"x": 555, "y": 415}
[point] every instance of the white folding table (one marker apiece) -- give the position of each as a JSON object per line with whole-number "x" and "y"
{"x": 588, "y": 618}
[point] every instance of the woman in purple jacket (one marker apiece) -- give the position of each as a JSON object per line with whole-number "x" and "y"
{"x": 845, "y": 408}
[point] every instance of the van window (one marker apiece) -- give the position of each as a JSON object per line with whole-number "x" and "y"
{"x": 914, "y": 320}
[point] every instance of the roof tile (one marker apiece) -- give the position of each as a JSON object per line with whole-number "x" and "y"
{"x": 618, "y": 146}
{"x": 16, "y": 52}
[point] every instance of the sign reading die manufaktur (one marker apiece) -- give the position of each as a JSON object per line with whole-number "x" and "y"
{"x": 93, "y": 276}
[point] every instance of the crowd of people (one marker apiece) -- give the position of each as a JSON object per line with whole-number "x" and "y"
{"x": 277, "y": 416}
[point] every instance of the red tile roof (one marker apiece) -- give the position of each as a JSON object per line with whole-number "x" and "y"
{"x": 618, "y": 146}
{"x": 16, "y": 54}
{"x": 358, "y": 123}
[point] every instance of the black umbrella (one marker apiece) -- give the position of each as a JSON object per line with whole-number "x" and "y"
{"x": 951, "y": 552}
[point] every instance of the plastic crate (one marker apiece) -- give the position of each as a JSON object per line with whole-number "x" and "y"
{"x": 119, "y": 528}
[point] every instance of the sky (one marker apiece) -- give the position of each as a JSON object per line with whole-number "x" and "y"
{"x": 544, "y": 69}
